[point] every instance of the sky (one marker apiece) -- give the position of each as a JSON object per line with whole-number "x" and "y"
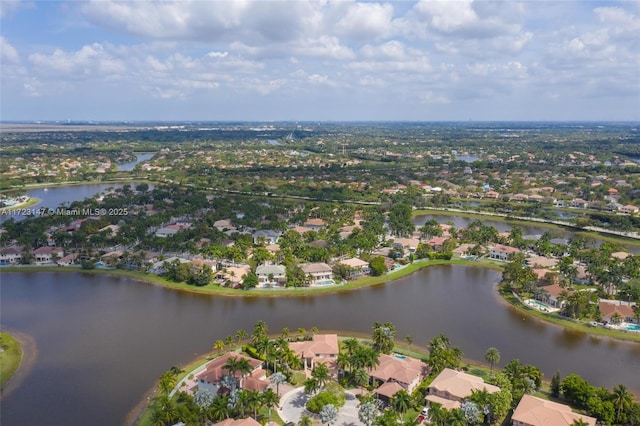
{"x": 320, "y": 60}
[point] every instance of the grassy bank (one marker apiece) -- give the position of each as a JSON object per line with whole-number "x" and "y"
{"x": 520, "y": 222}
{"x": 31, "y": 202}
{"x": 571, "y": 324}
{"x": 216, "y": 289}
{"x": 10, "y": 357}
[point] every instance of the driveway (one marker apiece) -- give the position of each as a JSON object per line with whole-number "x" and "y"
{"x": 293, "y": 402}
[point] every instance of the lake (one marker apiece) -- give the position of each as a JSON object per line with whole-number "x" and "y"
{"x": 140, "y": 157}
{"x": 102, "y": 341}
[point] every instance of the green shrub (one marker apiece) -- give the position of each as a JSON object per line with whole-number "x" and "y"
{"x": 332, "y": 393}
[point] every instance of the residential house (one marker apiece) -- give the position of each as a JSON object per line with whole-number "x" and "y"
{"x": 271, "y": 275}
{"x": 451, "y": 388}
{"x": 249, "y": 421}
{"x": 437, "y": 243}
{"x": 315, "y": 224}
{"x": 533, "y": 411}
{"x": 396, "y": 372}
{"x": 233, "y": 274}
{"x": 68, "y": 260}
{"x": 629, "y": 209}
{"x": 224, "y": 224}
{"x": 501, "y": 252}
{"x": 47, "y": 255}
{"x": 609, "y": 309}
{"x": 170, "y": 230}
{"x": 10, "y": 255}
{"x": 214, "y": 371}
{"x": 493, "y": 195}
{"x": 356, "y": 268}
{"x": 552, "y": 295}
{"x": 318, "y": 273}
{"x": 321, "y": 348}
{"x": 579, "y": 203}
{"x": 265, "y": 236}
{"x": 410, "y": 244}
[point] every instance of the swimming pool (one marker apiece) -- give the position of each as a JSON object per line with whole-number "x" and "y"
{"x": 632, "y": 327}
{"x": 324, "y": 282}
{"x": 538, "y": 305}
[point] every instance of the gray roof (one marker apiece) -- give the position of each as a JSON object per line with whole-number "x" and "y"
{"x": 270, "y": 269}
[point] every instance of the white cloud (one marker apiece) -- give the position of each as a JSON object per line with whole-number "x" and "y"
{"x": 366, "y": 21}
{"x": 8, "y": 53}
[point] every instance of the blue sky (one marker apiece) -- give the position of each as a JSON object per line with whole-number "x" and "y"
{"x": 320, "y": 60}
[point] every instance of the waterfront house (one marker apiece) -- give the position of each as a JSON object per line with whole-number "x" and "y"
{"x": 68, "y": 260}
{"x": 170, "y": 230}
{"x": 10, "y": 255}
{"x": 271, "y": 275}
{"x": 214, "y": 371}
{"x": 321, "y": 348}
{"x": 356, "y": 268}
{"x": 450, "y": 388}
{"x": 437, "y": 243}
{"x": 318, "y": 273}
{"x": 579, "y": 203}
{"x": 249, "y": 421}
{"x": 233, "y": 275}
{"x": 609, "y": 309}
{"x": 396, "y": 372}
{"x": 500, "y": 252}
{"x": 47, "y": 255}
{"x": 533, "y": 411}
{"x": 553, "y": 295}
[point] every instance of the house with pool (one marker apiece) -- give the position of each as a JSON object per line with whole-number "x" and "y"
{"x": 271, "y": 275}
{"x": 318, "y": 273}
{"x": 397, "y": 372}
{"x": 321, "y": 348}
{"x": 212, "y": 373}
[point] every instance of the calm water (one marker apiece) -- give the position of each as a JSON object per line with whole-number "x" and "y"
{"x": 140, "y": 157}
{"x": 53, "y": 197}
{"x": 102, "y": 340}
{"x": 527, "y": 230}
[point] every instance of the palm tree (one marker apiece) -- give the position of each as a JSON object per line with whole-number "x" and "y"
{"x": 241, "y": 334}
{"x": 579, "y": 422}
{"x": 622, "y": 400}
{"x": 270, "y": 399}
{"x": 219, "y": 346}
{"x": 438, "y": 414}
{"x": 305, "y": 421}
{"x": 360, "y": 377}
{"x": 401, "y": 402}
{"x": 167, "y": 382}
{"x": 492, "y": 356}
{"x": 285, "y": 332}
{"x": 301, "y": 333}
{"x": 456, "y": 418}
{"x": 219, "y": 409}
{"x": 244, "y": 368}
{"x": 254, "y": 401}
{"x": 321, "y": 374}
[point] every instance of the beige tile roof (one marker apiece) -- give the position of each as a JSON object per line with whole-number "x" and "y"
{"x": 321, "y": 344}
{"x": 459, "y": 384}
{"x": 534, "y": 411}
{"x": 392, "y": 368}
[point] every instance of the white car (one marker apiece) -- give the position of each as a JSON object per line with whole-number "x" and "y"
{"x": 425, "y": 411}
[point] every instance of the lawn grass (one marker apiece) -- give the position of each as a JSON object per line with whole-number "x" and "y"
{"x": 30, "y": 202}
{"x": 571, "y": 324}
{"x": 10, "y": 357}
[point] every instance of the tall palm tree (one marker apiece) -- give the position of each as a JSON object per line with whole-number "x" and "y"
{"x": 321, "y": 374}
{"x": 244, "y": 368}
{"x": 492, "y": 356}
{"x": 219, "y": 346}
{"x": 305, "y": 421}
{"x": 456, "y": 418}
{"x": 438, "y": 414}
{"x": 219, "y": 409}
{"x": 240, "y": 335}
{"x": 622, "y": 400}
{"x": 401, "y": 402}
{"x": 270, "y": 399}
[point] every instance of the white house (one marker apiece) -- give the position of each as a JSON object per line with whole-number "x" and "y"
{"x": 501, "y": 252}
{"x": 10, "y": 255}
{"x": 271, "y": 275}
{"x": 318, "y": 273}
{"x": 47, "y": 255}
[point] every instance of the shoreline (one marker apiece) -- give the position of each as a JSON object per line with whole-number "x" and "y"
{"x": 215, "y": 290}
{"x": 27, "y": 360}
{"x": 32, "y": 201}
